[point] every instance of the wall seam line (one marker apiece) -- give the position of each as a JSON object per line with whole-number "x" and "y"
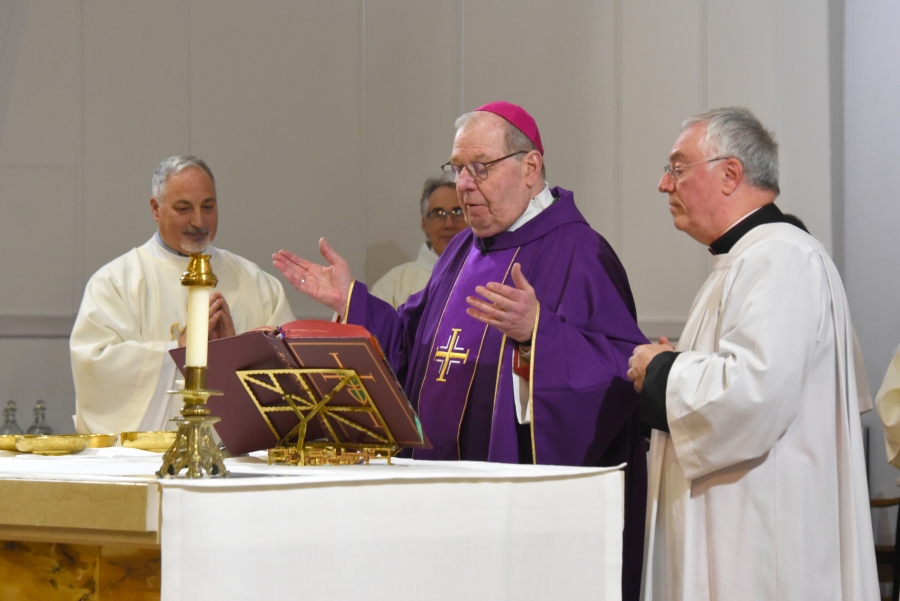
{"x": 704, "y": 256}
{"x": 364, "y": 131}
{"x": 190, "y": 108}
{"x": 462, "y": 64}
{"x": 617, "y": 176}
{"x": 79, "y": 197}
{"x": 704, "y": 55}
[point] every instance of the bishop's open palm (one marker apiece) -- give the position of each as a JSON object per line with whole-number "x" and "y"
{"x": 328, "y": 285}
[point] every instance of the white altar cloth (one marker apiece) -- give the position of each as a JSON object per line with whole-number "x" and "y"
{"x": 414, "y": 530}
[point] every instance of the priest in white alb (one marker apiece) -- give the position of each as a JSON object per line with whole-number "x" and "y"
{"x": 134, "y": 308}
{"x": 442, "y": 219}
{"x": 757, "y": 481}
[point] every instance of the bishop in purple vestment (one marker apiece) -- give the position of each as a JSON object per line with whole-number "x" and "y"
{"x": 517, "y": 349}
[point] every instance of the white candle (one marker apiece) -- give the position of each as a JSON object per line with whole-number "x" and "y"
{"x": 197, "y": 326}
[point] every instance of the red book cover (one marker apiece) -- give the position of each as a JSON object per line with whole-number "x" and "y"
{"x": 314, "y": 344}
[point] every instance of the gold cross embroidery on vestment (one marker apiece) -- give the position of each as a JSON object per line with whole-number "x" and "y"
{"x": 449, "y": 354}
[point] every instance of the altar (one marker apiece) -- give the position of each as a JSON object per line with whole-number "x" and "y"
{"x": 412, "y": 530}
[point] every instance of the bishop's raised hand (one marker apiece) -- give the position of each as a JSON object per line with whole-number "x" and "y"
{"x": 329, "y": 285}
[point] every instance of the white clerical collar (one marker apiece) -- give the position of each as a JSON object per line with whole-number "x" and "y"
{"x": 535, "y": 206}
{"x": 210, "y": 250}
{"x": 427, "y": 257}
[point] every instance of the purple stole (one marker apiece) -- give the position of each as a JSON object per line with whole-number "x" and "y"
{"x": 460, "y": 347}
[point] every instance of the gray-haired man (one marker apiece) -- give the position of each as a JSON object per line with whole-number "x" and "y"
{"x": 757, "y": 481}
{"x": 134, "y": 308}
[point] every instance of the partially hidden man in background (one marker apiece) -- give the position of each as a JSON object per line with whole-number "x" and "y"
{"x": 757, "y": 477}
{"x": 135, "y": 309}
{"x": 442, "y": 218}
{"x": 517, "y": 349}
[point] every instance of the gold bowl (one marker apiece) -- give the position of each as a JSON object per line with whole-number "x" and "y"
{"x": 61, "y": 444}
{"x": 99, "y": 441}
{"x": 158, "y": 442}
{"x": 8, "y": 442}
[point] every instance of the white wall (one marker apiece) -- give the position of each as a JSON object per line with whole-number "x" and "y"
{"x": 324, "y": 117}
{"x": 872, "y": 204}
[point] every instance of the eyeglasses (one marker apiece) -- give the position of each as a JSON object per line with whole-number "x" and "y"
{"x": 676, "y": 172}
{"x": 478, "y": 171}
{"x": 436, "y": 215}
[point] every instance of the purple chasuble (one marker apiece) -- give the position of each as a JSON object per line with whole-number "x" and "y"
{"x": 584, "y": 409}
{"x": 461, "y": 348}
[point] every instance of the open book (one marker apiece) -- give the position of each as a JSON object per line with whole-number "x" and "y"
{"x": 263, "y": 401}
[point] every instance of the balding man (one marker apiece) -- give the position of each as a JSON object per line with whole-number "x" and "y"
{"x": 135, "y": 309}
{"x": 757, "y": 480}
{"x": 516, "y": 351}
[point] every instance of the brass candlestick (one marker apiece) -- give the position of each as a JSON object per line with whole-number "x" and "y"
{"x": 194, "y": 449}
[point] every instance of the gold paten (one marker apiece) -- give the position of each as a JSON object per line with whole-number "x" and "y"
{"x": 60, "y": 444}
{"x": 100, "y": 441}
{"x": 8, "y": 442}
{"x": 194, "y": 449}
{"x": 157, "y": 441}
{"x": 199, "y": 272}
{"x": 294, "y": 448}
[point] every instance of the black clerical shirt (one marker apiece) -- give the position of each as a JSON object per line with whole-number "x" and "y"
{"x": 653, "y": 394}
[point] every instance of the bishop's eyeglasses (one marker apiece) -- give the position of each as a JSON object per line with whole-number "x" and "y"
{"x": 436, "y": 215}
{"x": 478, "y": 171}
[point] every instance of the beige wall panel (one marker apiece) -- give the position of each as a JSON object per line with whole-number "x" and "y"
{"x": 306, "y": 108}
{"x": 37, "y": 240}
{"x": 276, "y": 110}
{"x": 776, "y": 64}
{"x": 557, "y": 60}
{"x": 40, "y": 84}
{"x": 661, "y": 86}
{"x": 32, "y": 369}
{"x": 412, "y": 100}
{"x": 743, "y": 60}
{"x": 135, "y": 115}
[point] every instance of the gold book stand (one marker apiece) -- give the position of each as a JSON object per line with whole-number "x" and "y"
{"x": 328, "y": 433}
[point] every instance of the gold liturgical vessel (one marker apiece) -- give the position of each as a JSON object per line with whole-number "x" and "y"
{"x": 194, "y": 449}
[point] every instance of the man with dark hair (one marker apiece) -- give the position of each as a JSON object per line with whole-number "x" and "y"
{"x": 757, "y": 478}
{"x": 442, "y": 219}
{"x": 517, "y": 349}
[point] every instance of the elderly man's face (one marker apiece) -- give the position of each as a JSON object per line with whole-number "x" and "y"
{"x": 494, "y": 204}
{"x": 188, "y": 214}
{"x": 693, "y": 198}
{"x": 440, "y": 230}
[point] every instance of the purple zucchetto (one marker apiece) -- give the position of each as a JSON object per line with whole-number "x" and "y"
{"x": 519, "y": 117}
